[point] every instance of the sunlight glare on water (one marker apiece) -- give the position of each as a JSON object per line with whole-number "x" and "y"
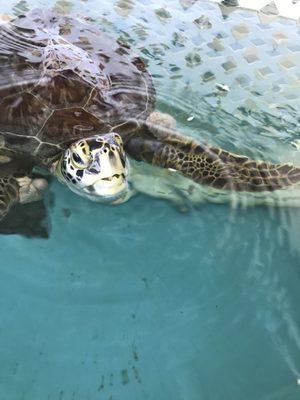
{"x": 140, "y": 301}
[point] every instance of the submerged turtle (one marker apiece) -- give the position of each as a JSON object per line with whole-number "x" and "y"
{"x": 77, "y": 102}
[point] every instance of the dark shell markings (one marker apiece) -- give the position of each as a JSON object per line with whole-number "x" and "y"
{"x": 61, "y": 79}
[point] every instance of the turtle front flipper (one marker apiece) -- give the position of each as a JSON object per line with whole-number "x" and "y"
{"x": 208, "y": 165}
{"x": 22, "y": 209}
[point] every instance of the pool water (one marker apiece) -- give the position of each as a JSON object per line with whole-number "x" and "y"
{"x": 142, "y": 301}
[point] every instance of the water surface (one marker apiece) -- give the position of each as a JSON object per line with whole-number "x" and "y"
{"x": 140, "y": 301}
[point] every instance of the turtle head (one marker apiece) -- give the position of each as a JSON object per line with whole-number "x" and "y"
{"x": 96, "y": 168}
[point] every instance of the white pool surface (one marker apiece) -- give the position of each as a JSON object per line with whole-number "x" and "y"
{"x": 283, "y": 8}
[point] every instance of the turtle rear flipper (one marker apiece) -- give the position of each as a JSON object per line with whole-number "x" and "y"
{"x": 20, "y": 212}
{"x": 30, "y": 220}
{"x": 208, "y": 165}
{"x": 9, "y": 194}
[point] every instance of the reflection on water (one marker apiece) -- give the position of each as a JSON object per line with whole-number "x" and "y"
{"x": 140, "y": 301}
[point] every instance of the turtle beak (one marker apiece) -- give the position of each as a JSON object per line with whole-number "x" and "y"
{"x": 108, "y": 162}
{"x": 109, "y": 169}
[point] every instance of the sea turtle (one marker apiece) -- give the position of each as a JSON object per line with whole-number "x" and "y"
{"x": 77, "y": 103}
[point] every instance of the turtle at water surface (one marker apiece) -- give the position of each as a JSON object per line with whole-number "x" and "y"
{"x": 79, "y": 103}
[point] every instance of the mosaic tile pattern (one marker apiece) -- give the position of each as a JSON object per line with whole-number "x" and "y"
{"x": 268, "y": 9}
{"x": 247, "y": 63}
{"x": 224, "y": 68}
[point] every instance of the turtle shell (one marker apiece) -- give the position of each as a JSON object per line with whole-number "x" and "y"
{"x": 62, "y": 79}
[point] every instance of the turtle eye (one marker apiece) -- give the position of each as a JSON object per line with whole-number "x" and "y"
{"x": 80, "y": 161}
{"x": 80, "y": 155}
{"x": 77, "y": 159}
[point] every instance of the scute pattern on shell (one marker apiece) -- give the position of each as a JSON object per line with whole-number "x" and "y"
{"x": 62, "y": 79}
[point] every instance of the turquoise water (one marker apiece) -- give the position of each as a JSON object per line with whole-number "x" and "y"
{"x": 141, "y": 301}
